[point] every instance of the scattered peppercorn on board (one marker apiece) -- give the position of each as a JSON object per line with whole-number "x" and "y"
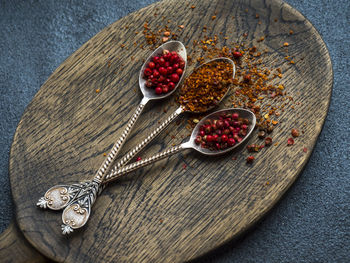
{"x": 181, "y": 208}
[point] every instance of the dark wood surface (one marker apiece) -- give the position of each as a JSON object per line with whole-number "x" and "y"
{"x": 14, "y": 248}
{"x": 183, "y": 207}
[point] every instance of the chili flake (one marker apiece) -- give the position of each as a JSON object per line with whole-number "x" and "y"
{"x": 206, "y": 86}
{"x": 290, "y": 142}
{"x": 250, "y": 159}
{"x": 295, "y": 133}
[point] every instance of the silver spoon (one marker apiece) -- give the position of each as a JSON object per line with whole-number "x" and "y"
{"x": 243, "y": 113}
{"x": 59, "y": 196}
{"x": 69, "y": 218}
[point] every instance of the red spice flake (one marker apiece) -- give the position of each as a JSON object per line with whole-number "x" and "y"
{"x": 161, "y": 221}
{"x": 97, "y": 90}
{"x": 234, "y": 158}
{"x": 253, "y": 148}
{"x": 295, "y": 133}
{"x": 122, "y": 45}
{"x": 250, "y": 159}
{"x": 206, "y": 86}
{"x": 138, "y": 159}
{"x": 291, "y": 32}
{"x": 268, "y": 141}
{"x": 290, "y": 142}
{"x": 184, "y": 166}
{"x": 193, "y": 6}
{"x": 304, "y": 149}
{"x": 181, "y": 26}
{"x": 257, "y": 16}
{"x": 213, "y": 17}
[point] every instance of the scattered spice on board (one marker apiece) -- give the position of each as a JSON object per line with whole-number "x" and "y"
{"x": 295, "y": 133}
{"x": 250, "y": 159}
{"x": 206, "y": 86}
{"x": 290, "y": 141}
{"x": 257, "y": 83}
{"x": 268, "y": 141}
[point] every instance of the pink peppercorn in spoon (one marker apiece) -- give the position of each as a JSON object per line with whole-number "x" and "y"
{"x": 208, "y": 149}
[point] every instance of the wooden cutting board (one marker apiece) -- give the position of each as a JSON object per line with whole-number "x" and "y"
{"x": 187, "y": 205}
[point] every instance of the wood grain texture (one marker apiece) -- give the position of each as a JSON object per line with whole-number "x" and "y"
{"x": 15, "y": 248}
{"x": 163, "y": 213}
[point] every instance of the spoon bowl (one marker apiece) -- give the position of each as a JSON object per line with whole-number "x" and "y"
{"x": 243, "y": 113}
{"x": 224, "y": 59}
{"x": 170, "y": 46}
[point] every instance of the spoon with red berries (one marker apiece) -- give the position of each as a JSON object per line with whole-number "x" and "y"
{"x": 234, "y": 126}
{"x": 159, "y": 77}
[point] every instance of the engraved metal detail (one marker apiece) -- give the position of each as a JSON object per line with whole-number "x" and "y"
{"x": 132, "y": 153}
{"x": 59, "y": 196}
{"x": 101, "y": 173}
{"x": 77, "y": 213}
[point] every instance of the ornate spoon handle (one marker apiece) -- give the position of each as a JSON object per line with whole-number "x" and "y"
{"x": 60, "y": 196}
{"x": 116, "y": 173}
{"x": 101, "y": 173}
{"x": 132, "y": 153}
{"x": 78, "y": 207}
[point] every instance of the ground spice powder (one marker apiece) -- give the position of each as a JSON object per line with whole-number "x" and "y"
{"x": 206, "y": 86}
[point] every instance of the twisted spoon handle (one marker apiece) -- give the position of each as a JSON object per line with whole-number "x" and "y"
{"x": 101, "y": 173}
{"x": 116, "y": 173}
{"x": 132, "y": 153}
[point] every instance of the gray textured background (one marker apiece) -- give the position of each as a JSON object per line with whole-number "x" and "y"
{"x": 310, "y": 224}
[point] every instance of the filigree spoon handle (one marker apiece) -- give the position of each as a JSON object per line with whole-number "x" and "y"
{"x": 115, "y": 174}
{"x": 59, "y": 196}
{"x": 133, "y": 152}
